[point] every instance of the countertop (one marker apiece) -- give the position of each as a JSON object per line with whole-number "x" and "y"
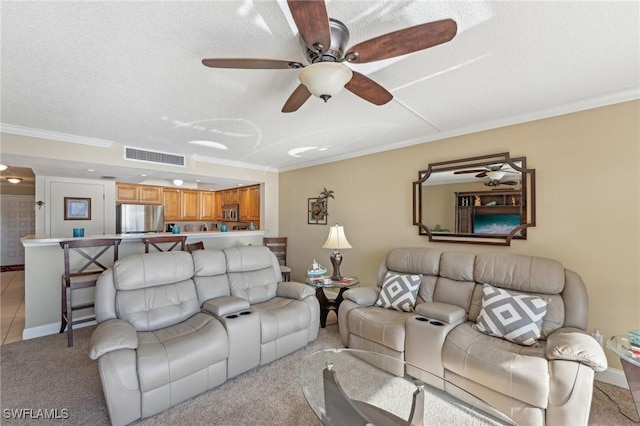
{"x": 42, "y": 240}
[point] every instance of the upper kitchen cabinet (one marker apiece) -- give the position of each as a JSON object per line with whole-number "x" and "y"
{"x": 218, "y": 207}
{"x": 138, "y": 194}
{"x": 208, "y": 205}
{"x": 172, "y": 204}
{"x": 250, "y": 203}
{"x": 190, "y": 204}
{"x": 231, "y": 196}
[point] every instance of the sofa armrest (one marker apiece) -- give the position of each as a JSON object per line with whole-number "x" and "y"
{"x": 221, "y": 306}
{"x": 294, "y": 290}
{"x": 444, "y": 312}
{"x": 363, "y": 296}
{"x": 572, "y": 344}
{"x": 112, "y": 335}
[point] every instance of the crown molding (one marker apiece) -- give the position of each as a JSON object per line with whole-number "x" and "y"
{"x": 230, "y": 163}
{"x": 56, "y": 136}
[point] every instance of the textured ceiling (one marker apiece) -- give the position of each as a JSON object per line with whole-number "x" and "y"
{"x": 130, "y": 73}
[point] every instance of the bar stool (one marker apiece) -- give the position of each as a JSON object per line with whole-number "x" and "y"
{"x": 199, "y": 245}
{"x": 86, "y": 275}
{"x": 154, "y": 241}
{"x": 278, "y": 245}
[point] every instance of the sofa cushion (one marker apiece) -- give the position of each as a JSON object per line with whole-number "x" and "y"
{"x": 280, "y": 317}
{"x": 520, "y": 273}
{"x": 152, "y": 308}
{"x": 167, "y": 355}
{"x": 521, "y": 372}
{"x": 379, "y": 325}
{"x": 152, "y": 269}
{"x": 410, "y": 261}
{"x": 511, "y": 316}
{"x": 253, "y": 273}
{"x": 399, "y": 291}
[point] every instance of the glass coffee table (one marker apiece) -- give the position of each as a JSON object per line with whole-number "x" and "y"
{"x": 620, "y": 346}
{"x": 327, "y": 304}
{"x": 353, "y": 387}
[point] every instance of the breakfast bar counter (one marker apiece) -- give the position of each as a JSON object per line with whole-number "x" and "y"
{"x": 44, "y": 265}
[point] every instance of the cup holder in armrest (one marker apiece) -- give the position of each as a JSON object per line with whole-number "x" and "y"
{"x": 430, "y": 321}
{"x": 232, "y": 316}
{"x": 246, "y": 313}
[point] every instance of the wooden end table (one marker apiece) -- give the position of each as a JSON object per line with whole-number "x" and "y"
{"x": 327, "y": 304}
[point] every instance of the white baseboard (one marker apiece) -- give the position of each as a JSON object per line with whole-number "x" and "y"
{"x": 613, "y": 376}
{"x": 47, "y": 329}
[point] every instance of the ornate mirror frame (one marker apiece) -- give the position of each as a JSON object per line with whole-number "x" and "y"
{"x": 522, "y": 200}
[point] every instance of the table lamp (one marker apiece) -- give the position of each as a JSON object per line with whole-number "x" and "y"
{"x": 336, "y": 241}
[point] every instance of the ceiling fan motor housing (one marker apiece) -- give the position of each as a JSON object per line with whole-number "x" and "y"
{"x": 335, "y": 52}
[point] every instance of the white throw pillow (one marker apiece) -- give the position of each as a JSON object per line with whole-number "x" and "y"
{"x": 399, "y": 291}
{"x": 515, "y": 317}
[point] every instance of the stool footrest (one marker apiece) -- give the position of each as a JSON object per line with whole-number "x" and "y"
{"x": 82, "y": 306}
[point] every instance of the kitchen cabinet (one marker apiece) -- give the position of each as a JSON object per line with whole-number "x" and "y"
{"x": 219, "y": 200}
{"x": 138, "y": 194}
{"x": 208, "y": 206}
{"x": 190, "y": 200}
{"x": 171, "y": 204}
{"x": 231, "y": 196}
{"x": 250, "y": 203}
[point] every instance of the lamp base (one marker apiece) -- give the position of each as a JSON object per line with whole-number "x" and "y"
{"x": 336, "y": 260}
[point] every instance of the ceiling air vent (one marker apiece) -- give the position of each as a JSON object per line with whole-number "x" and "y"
{"x": 136, "y": 154}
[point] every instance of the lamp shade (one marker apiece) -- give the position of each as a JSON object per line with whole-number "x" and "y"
{"x": 325, "y": 79}
{"x": 336, "y": 239}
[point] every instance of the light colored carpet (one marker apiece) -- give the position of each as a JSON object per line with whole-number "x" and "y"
{"x": 43, "y": 373}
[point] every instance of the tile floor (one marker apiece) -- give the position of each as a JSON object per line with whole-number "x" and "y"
{"x": 11, "y": 306}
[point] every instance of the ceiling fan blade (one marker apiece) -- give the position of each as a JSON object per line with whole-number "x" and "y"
{"x": 312, "y": 21}
{"x": 368, "y": 89}
{"x": 248, "y": 63}
{"x": 297, "y": 98}
{"x": 460, "y": 172}
{"x": 403, "y": 41}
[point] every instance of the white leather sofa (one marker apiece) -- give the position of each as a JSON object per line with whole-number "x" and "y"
{"x": 174, "y": 324}
{"x": 549, "y": 382}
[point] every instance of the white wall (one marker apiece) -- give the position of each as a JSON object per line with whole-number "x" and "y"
{"x": 52, "y": 190}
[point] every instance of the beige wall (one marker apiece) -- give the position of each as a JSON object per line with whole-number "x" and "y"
{"x": 588, "y": 212}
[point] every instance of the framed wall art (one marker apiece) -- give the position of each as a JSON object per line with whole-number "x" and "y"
{"x": 317, "y": 211}
{"x": 77, "y": 208}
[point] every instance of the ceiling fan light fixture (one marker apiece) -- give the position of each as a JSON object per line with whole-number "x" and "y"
{"x": 325, "y": 79}
{"x": 14, "y": 179}
{"x": 496, "y": 175}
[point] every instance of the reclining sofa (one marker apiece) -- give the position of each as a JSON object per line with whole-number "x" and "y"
{"x": 174, "y": 324}
{"x": 450, "y": 330}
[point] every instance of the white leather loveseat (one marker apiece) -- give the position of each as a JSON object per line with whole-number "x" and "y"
{"x": 463, "y": 328}
{"x": 174, "y": 324}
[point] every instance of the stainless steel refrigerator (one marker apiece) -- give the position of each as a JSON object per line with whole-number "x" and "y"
{"x": 139, "y": 218}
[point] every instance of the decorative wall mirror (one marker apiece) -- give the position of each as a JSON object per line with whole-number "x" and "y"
{"x": 479, "y": 200}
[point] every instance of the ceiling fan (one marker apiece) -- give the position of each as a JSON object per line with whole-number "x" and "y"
{"x": 325, "y": 43}
{"x": 495, "y": 173}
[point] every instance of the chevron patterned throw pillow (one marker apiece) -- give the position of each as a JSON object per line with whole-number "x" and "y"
{"x": 511, "y": 316}
{"x": 399, "y": 291}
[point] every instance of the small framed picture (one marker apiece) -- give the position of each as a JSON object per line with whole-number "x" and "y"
{"x": 77, "y": 208}
{"x": 317, "y": 211}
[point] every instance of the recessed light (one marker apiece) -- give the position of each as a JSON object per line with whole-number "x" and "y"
{"x": 143, "y": 175}
{"x": 3, "y": 167}
{"x": 91, "y": 170}
{"x": 210, "y": 144}
{"x": 178, "y": 182}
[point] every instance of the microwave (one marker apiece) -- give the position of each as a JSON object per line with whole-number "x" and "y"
{"x": 231, "y": 212}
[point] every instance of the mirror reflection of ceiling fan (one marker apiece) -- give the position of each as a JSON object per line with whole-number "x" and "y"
{"x": 495, "y": 173}
{"x": 324, "y": 43}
